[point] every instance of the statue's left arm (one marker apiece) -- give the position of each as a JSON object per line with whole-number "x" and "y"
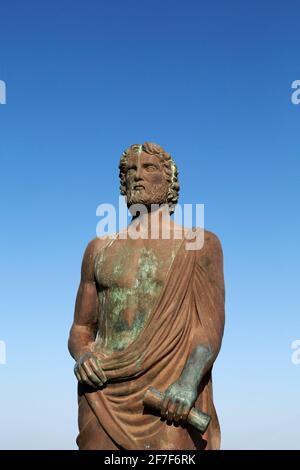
{"x": 181, "y": 395}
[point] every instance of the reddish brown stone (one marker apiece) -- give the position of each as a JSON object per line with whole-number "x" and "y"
{"x": 149, "y": 313}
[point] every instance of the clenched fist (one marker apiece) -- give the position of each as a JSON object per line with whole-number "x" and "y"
{"x": 88, "y": 370}
{"x": 177, "y": 402}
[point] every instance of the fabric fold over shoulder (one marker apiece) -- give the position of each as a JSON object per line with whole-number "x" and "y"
{"x": 186, "y": 314}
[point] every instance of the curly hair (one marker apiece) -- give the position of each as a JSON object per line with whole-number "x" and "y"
{"x": 170, "y": 169}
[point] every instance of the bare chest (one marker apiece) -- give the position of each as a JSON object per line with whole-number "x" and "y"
{"x": 130, "y": 276}
{"x": 134, "y": 264}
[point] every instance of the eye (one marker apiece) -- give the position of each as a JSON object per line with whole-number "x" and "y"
{"x": 130, "y": 170}
{"x": 151, "y": 168}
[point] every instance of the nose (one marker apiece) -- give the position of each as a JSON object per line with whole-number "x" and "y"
{"x": 138, "y": 173}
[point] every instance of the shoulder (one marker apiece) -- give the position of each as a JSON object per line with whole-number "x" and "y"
{"x": 211, "y": 248}
{"x": 90, "y": 253}
{"x": 211, "y": 241}
{"x": 94, "y": 246}
{"x": 210, "y": 259}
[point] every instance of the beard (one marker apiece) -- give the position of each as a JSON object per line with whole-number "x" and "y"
{"x": 152, "y": 194}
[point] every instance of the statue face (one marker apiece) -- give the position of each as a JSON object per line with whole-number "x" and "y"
{"x": 146, "y": 181}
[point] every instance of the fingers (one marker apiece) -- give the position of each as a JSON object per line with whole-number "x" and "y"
{"x": 169, "y": 407}
{"x": 82, "y": 376}
{"x": 77, "y": 374}
{"x": 91, "y": 375}
{"x": 88, "y": 370}
{"x": 96, "y": 367}
{"x": 176, "y": 410}
{"x": 185, "y": 413}
{"x": 172, "y": 408}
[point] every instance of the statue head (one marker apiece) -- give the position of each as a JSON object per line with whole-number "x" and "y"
{"x": 148, "y": 175}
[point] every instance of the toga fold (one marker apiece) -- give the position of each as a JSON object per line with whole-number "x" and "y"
{"x": 188, "y": 312}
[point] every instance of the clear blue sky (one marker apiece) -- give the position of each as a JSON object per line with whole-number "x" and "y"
{"x": 209, "y": 81}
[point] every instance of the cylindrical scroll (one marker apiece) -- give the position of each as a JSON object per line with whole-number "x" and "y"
{"x": 153, "y": 398}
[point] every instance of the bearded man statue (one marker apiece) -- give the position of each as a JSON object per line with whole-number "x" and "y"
{"x": 149, "y": 313}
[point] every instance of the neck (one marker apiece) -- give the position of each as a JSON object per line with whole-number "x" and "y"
{"x": 153, "y": 223}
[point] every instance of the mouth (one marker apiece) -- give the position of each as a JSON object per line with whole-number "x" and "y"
{"x": 138, "y": 187}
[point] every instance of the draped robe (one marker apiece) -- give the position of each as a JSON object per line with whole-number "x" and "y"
{"x": 188, "y": 312}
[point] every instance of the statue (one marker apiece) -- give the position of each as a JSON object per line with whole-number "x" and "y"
{"x": 149, "y": 315}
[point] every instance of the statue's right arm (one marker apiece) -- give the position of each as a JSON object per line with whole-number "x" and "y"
{"x": 84, "y": 329}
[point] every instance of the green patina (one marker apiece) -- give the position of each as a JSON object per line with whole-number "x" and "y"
{"x": 139, "y": 298}
{"x": 117, "y": 270}
{"x": 148, "y": 267}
